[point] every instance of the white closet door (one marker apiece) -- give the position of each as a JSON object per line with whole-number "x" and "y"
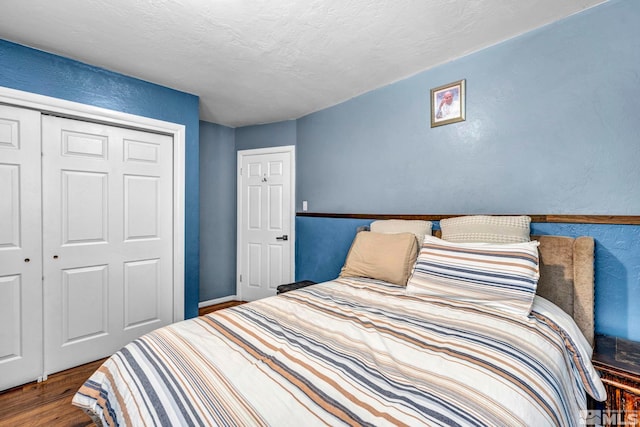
{"x": 107, "y": 255}
{"x": 20, "y": 247}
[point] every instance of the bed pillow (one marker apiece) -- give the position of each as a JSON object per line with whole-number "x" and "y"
{"x": 418, "y": 227}
{"x": 486, "y": 228}
{"x": 502, "y": 276}
{"x": 387, "y": 257}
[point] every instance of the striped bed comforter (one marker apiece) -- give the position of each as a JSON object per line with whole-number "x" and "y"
{"x": 350, "y": 352}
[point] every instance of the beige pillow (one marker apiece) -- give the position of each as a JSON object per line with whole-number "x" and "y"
{"x": 381, "y": 256}
{"x": 486, "y": 228}
{"x": 418, "y": 227}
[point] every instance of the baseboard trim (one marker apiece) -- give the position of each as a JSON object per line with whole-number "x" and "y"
{"x": 217, "y": 301}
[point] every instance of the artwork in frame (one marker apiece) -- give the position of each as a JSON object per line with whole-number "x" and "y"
{"x": 448, "y": 103}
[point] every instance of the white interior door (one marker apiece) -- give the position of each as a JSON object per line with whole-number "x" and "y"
{"x": 265, "y": 221}
{"x": 20, "y": 247}
{"x": 108, "y": 251}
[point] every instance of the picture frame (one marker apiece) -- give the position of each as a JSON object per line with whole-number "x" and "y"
{"x": 448, "y": 103}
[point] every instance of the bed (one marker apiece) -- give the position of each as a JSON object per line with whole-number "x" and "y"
{"x": 364, "y": 351}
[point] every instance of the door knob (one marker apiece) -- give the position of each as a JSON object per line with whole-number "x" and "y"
{"x": 284, "y": 237}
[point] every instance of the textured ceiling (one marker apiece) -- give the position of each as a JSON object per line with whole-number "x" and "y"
{"x": 257, "y": 62}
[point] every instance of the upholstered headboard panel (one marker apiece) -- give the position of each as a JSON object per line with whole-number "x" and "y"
{"x": 566, "y": 277}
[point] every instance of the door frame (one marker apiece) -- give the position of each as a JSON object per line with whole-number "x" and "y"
{"x": 241, "y": 154}
{"x": 76, "y": 110}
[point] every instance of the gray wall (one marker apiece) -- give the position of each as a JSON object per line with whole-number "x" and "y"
{"x": 262, "y": 136}
{"x": 217, "y": 211}
{"x": 218, "y": 162}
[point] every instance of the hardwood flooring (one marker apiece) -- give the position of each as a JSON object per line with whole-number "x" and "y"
{"x": 206, "y": 310}
{"x": 49, "y": 403}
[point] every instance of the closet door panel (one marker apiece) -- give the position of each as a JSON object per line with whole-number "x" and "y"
{"x": 84, "y": 297}
{"x": 108, "y": 263}
{"x": 20, "y": 247}
{"x": 10, "y": 317}
{"x": 84, "y": 198}
{"x": 147, "y": 259}
{"x": 10, "y": 206}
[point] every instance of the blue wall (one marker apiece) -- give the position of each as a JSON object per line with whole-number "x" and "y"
{"x": 38, "y": 72}
{"x": 217, "y": 211}
{"x": 551, "y": 128}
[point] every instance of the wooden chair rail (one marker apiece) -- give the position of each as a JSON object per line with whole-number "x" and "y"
{"x": 551, "y": 218}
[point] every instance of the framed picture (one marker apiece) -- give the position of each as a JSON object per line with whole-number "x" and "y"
{"x": 447, "y": 103}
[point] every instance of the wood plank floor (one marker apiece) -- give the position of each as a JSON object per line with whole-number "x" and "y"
{"x": 49, "y": 403}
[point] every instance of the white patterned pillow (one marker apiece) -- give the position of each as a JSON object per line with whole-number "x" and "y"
{"x": 418, "y": 227}
{"x": 502, "y": 276}
{"x": 486, "y": 228}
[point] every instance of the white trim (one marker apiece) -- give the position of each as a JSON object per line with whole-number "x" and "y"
{"x": 86, "y": 112}
{"x": 291, "y": 150}
{"x": 215, "y": 301}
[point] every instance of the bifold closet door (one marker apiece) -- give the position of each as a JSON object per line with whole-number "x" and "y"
{"x": 107, "y": 244}
{"x": 20, "y": 247}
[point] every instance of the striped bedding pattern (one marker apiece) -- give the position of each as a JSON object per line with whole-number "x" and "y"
{"x": 349, "y": 352}
{"x": 504, "y": 276}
